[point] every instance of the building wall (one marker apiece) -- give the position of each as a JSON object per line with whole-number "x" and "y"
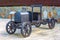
{"x": 29, "y": 2}
{"x": 4, "y": 11}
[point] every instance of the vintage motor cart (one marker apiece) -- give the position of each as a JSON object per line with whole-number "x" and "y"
{"x": 24, "y": 19}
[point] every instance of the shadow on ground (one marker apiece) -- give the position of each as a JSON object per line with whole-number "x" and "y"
{"x": 35, "y": 31}
{"x": 5, "y": 34}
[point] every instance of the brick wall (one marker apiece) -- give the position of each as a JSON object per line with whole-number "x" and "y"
{"x": 29, "y": 2}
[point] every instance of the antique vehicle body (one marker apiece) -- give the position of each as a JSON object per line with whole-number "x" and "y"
{"x": 23, "y": 20}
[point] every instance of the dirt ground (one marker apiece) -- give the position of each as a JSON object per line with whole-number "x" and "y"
{"x": 41, "y": 33}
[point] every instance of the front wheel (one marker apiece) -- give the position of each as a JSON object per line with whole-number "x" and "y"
{"x": 26, "y": 30}
{"x": 51, "y": 24}
{"x": 10, "y": 27}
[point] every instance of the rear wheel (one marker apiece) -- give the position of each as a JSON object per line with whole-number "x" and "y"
{"x": 26, "y": 30}
{"x": 38, "y": 24}
{"x": 51, "y": 24}
{"x": 10, "y": 27}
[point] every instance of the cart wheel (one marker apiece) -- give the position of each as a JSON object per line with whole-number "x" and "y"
{"x": 10, "y": 28}
{"x": 38, "y": 24}
{"x": 51, "y": 24}
{"x": 26, "y": 30}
